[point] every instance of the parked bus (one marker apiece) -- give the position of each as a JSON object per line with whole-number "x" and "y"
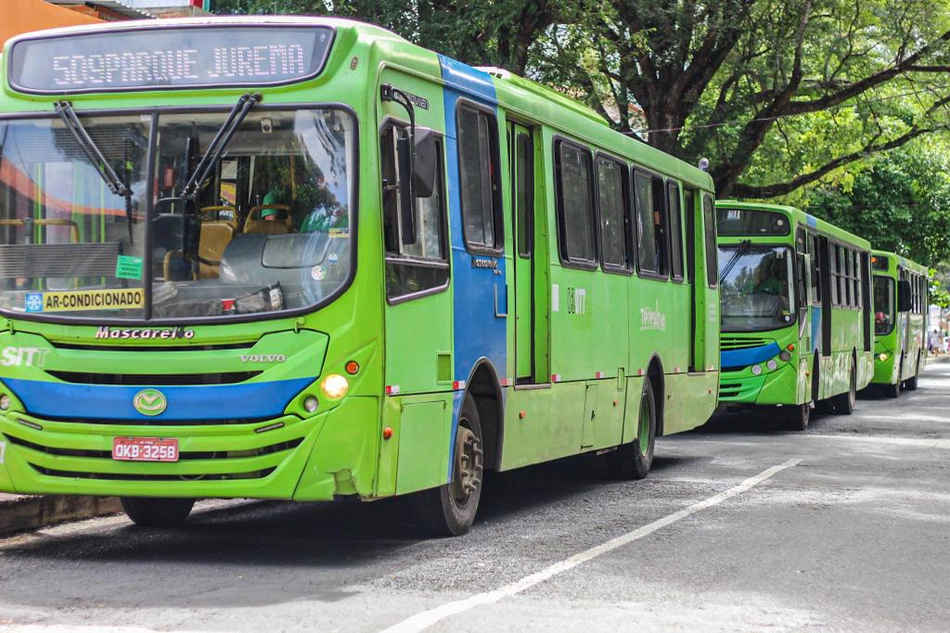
{"x": 796, "y": 311}
{"x": 900, "y": 309}
{"x": 298, "y": 258}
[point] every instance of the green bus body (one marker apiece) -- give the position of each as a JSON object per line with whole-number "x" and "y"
{"x": 506, "y": 302}
{"x": 796, "y": 313}
{"x": 900, "y": 308}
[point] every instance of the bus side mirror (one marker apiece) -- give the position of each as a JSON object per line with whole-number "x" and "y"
{"x": 407, "y": 202}
{"x": 903, "y": 295}
{"x": 424, "y": 163}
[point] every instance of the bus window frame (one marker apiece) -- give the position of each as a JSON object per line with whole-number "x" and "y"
{"x": 494, "y": 140}
{"x": 676, "y": 255}
{"x": 654, "y": 177}
{"x": 629, "y": 242}
{"x": 155, "y": 114}
{"x": 581, "y": 264}
{"x": 400, "y": 259}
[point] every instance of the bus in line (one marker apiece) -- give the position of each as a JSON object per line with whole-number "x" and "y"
{"x": 796, "y": 311}
{"x": 900, "y": 309}
{"x": 299, "y": 258}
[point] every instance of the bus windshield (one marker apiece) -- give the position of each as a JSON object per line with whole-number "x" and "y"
{"x": 266, "y": 230}
{"x": 756, "y": 288}
{"x": 883, "y": 304}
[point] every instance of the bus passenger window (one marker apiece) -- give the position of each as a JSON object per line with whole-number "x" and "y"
{"x": 612, "y": 196}
{"x": 709, "y": 230}
{"x": 575, "y": 208}
{"x": 478, "y": 178}
{"x": 652, "y": 243}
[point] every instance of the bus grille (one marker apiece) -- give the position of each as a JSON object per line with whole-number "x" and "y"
{"x": 734, "y": 342}
{"x": 730, "y": 390}
{"x": 49, "y": 472}
{"x": 184, "y": 455}
{"x": 85, "y": 378}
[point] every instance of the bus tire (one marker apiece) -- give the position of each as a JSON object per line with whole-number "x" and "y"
{"x": 157, "y": 512}
{"x": 634, "y": 460}
{"x": 797, "y": 416}
{"x": 449, "y": 510}
{"x": 911, "y": 383}
{"x": 892, "y": 390}
{"x": 844, "y": 402}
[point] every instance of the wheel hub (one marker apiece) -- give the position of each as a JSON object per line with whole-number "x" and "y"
{"x": 468, "y": 465}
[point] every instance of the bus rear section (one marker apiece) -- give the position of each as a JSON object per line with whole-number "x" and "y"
{"x": 795, "y": 322}
{"x": 900, "y": 306}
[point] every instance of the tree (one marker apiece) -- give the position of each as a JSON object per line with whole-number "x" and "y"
{"x": 901, "y": 203}
{"x": 715, "y": 79}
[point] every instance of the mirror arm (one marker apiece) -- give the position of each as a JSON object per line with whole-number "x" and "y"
{"x": 388, "y": 93}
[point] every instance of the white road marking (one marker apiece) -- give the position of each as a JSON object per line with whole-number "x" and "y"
{"x": 884, "y": 441}
{"x": 74, "y": 628}
{"x": 425, "y": 619}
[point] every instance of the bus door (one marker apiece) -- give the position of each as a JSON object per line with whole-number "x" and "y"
{"x": 697, "y": 281}
{"x": 824, "y": 278}
{"x": 529, "y": 337}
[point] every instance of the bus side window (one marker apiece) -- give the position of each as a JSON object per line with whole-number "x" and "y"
{"x": 815, "y": 270}
{"x": 612, "y": 199}
{"x": 651, "y": 222}
{"x": 676, "y": 231}
{"x": 833, "y": 260}
{"x": 709, "y": 230}
{"x": 419, "y": 268}
{"x": 478, "y": 179}
{"x": 575, "y": 198}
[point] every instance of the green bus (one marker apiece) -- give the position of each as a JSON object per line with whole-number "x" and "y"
{"x": 298, "y": 258}
{"x": 796, "y": 311}
{"x": 900, "y": 309}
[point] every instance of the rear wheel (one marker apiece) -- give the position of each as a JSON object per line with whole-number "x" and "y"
{"x": 157, "y": 512}
{"x": 892, "y": 391}
{"x": 844, "y": 403}
{"x": 634, "y": 460}
{"x": 449, "y": 510}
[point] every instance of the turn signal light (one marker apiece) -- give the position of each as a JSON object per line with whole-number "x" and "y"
{"x": 352, "y": 367}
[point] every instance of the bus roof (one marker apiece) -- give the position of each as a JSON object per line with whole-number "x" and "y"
{"x": 800, "y": 217}
{"x": 901, "y": 261}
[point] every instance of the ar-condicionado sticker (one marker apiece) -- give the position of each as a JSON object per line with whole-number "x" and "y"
{"x": 84, "y": 300}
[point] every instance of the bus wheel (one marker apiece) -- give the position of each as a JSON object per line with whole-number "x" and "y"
{"x": 634, "y": 460}
{"x": 844, "y": 402}
{"x": 449, "y": 510}
{"x": 911, "y": 383}
{"x": 797, "y": 416}
{"x": 157, "y": 512}
{"x": 892, "y": 391}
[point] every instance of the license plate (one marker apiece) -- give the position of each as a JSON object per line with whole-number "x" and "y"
{"x": 145, "y": 449}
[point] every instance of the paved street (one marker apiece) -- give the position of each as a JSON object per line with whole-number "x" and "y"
{"x": 845, "y": 527}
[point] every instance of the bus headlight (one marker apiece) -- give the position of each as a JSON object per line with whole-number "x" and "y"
{"x": 882, "y": 357}
{"x": 785, "y": 356}
{"x": 756, "y": 370}
{"x": 771, "y": 364}
{"x": 335, "y": 386}
{"x": 4, "y": 402}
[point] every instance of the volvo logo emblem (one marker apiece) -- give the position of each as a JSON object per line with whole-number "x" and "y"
{"x": 150, "y": 402}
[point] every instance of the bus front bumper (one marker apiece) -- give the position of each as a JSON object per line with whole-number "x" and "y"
{"x": 315, "y": 458}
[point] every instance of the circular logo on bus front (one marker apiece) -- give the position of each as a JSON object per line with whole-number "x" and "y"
{"x": 149, "y": 402}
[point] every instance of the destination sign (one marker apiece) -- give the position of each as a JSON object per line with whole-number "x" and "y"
{"x": 180, "y": 57}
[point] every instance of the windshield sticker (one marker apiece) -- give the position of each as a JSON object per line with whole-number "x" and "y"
{"x": 84, "y": 300}
{"x": 104, "y": 331}
{"x": 319, "y": 273}
{"x": 343, "y": 231}
{"x": 128, "y": 267}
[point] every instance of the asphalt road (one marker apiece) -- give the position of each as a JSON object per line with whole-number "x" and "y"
{"x": 738, "y": 528}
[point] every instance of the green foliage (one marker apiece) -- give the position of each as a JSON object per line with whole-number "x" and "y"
{"x": 901, "y": 202}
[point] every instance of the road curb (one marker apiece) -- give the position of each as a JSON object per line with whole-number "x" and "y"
{"x": 19, "y": 513}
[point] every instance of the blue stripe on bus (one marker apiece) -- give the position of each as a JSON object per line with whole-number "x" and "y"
{"x": 736, "y": 358}
{"x": 477, "y": 333}
{"x": 256, "y": 400}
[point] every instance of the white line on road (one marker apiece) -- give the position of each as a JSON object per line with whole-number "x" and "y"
{"x": 423, "y": 620}
{"x": 884, "y": 441}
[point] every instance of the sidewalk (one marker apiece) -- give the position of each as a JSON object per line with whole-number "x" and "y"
{"x": 29, "y": 512}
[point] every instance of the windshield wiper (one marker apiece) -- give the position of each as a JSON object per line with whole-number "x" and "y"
{"x": 65, "y": 111}
{"x": 219, "y": 142}
{"x": 743, "y": 247}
